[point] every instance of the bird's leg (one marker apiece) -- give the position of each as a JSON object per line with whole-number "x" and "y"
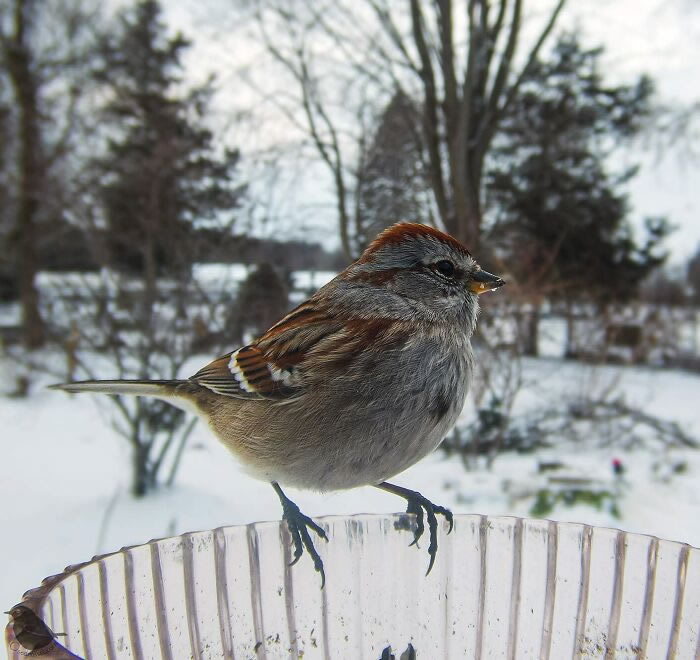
{"x": 297, "y": 524}
{"x": 416, "y": 504}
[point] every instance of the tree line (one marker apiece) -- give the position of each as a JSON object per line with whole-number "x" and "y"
{"x": 434, "y": 110}
{"x": 451, "y": 117}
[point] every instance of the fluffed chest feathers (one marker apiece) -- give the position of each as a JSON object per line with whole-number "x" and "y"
{"x": 380, "y": 426}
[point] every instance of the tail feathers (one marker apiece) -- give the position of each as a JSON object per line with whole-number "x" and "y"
{"x": 164, "y": 389}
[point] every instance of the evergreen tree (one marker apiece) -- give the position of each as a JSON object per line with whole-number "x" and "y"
{"x": 563, "y": 216}
{"x": 263, "y": 299}
{"x": 391, "y": 184}
{"x": 161, "y": 177}
{"x": 166, "y": 193}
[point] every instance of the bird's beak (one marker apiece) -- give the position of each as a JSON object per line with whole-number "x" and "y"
{"x": 481, "y": 282}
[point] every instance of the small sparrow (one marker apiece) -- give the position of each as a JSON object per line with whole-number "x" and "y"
{"x": 30, "y": 634}
{"x": 353, "y": 386}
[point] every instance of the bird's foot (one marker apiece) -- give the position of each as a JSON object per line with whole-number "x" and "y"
{"x": 299, "y": 525}
{"x": 417, "y": 504}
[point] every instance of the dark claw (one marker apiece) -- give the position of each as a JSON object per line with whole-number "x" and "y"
{"x": 414, "y": 507}
{"x": 448, "y": 516}
{"x": 318, "y": 564}
{"x": 296, "y": 537}
{"x": 432, "y": 526}
{"x": 297, "y": 523}
{"x": 417, "y": 504}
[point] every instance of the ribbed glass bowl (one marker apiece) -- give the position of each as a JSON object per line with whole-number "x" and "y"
{"x": 500, "y": 588}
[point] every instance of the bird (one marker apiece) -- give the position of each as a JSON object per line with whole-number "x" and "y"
{"x": 351, "y": 387}
{"x": 34, "y": 636}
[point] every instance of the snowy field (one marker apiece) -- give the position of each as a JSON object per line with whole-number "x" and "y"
{"x": 65, "y": 476}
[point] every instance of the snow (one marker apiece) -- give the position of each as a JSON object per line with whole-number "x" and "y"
{"x": 65, "y": 476}
{"x": 10, "y": 314}
{"x": 205, "y": 274}
{"x": 310, "y": 280}
{"x": 215, "y": 274}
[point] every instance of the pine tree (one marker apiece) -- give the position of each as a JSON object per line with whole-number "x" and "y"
{"x": 165, "y": 193}
{"x": 262, "y": 300}
{"x": 392, "y": 184}
{"x": 161, "y": 177}
{"x": 563, "y": 216}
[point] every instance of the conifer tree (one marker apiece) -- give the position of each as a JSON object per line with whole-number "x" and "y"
{"x": 392, "y": 184}
{"x": 165, "y": 192}
{"x": 162, "y": 177}
{"x": 564, "y": 217}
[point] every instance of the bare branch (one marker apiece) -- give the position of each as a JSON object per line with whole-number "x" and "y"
{"x": 444, "y": 8}
{"x": 387, "y": 22}
{"x": 532, "y": 56}
{"x": 313, "y": 111}
{"x": 430, "y": 114}
{"x": 505, "y": 66}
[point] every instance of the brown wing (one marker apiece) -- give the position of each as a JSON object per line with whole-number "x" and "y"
{"x": 305, "y": 348}
{"x": 268, "y": 367}
{"x": 245, "y": 373}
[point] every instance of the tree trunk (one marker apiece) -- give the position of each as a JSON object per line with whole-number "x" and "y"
{"x": 30, "y": 172}
{"x": 570, "y": 350}
{"x": 532, "y": 330}
{"x": 470, "y": 227}
{"x": 32, "y": 324}
{"x": 141, "y": 479}
{"x": 140, "y": 476}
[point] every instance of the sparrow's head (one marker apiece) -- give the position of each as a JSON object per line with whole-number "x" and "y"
{"x": 431, "y": 270}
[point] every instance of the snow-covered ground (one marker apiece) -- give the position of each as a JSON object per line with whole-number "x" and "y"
{"x": 65, "y": 477}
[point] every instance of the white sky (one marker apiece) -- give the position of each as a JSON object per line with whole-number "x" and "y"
{"x": 661, "y": 38}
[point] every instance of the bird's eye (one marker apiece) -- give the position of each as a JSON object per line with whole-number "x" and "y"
{"x": 446, "y": 268}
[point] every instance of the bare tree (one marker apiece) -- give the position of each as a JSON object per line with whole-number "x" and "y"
{"x": 157, "y": 196}
{"x": 160, "y": 183}
{"x": 41, "y": 50}
{"x": 18, "y": 59}
{"x": 461, "y": 59}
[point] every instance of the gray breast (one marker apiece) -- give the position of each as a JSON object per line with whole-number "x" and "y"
{"x": 372, "y": 429}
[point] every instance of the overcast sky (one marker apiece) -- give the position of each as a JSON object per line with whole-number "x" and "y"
{"x": 659, "y": 37}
